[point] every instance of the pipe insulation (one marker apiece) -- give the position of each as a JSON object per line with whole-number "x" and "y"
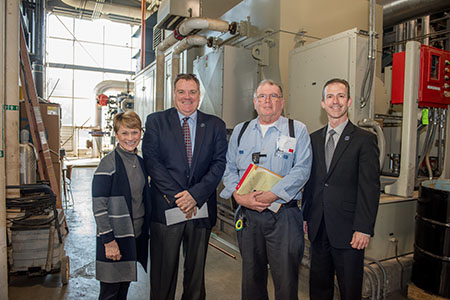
{"x": 188, "y": 42}
{"x": 160, "y": 50}
{"x": 201, "y": 23}
{"x": 180, "y": 33}
{"x": 399, "y": 11}
{"x": 105, "y": 85}
{"x": 369, "y": 123}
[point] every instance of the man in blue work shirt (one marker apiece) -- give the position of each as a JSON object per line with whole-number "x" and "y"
{"x": 272, "y": 231}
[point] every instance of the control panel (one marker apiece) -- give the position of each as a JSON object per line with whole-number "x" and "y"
{"x": 434, "y": 84}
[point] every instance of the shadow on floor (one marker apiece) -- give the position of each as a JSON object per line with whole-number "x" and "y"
{"x": 223, "y": 273}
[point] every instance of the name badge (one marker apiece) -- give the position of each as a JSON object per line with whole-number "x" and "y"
{"x": 286, "y": 144}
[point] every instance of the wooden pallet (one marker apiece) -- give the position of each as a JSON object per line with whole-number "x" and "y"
{"x": 415, "y": 293}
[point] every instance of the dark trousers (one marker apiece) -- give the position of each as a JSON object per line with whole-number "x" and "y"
{"x": 164, "y": 256}
{"x": 275, "y": 239}
{"x": 326, "y": 260}
{"x": 113, "y": 291}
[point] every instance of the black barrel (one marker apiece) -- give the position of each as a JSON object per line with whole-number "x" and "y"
{"x": 431, "y": 267}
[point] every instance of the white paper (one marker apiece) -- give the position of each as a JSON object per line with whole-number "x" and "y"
{"x": 175, "y": 215}
{"x": 274, "y": 206}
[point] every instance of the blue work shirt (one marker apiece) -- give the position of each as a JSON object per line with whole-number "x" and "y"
{"x": 294, "y": 167}
{"x": 192, "y": 122}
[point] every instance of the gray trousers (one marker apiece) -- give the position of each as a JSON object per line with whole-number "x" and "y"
{"x": 165, "y": 245}
{"x": 271, "y": 238}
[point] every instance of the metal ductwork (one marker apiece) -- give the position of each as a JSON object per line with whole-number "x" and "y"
{"x": 108, "y": 8}
{"x": 399, "y": 11}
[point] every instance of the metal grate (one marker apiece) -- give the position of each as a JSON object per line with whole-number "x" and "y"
{"x": 67, "y": 136}
{"x": 158, "y": 36}
{"x": 97, "y": 9}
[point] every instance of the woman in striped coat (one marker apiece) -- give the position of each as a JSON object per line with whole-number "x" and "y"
{"x": 121, "y": 206}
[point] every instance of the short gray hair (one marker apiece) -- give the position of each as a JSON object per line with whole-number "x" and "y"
{"x": 269, "y": 82}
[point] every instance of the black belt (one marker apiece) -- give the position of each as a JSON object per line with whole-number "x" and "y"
{"x": 291, "y": 203}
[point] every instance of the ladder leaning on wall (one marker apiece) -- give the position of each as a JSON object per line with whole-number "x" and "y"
{"x": 45, "y": 164}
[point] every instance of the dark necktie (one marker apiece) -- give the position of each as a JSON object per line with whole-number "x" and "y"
{"x": 329, "y": 149}
{"x": 187, "y": 139}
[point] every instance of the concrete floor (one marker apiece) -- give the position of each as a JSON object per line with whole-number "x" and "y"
{"x": 223, "y": 273}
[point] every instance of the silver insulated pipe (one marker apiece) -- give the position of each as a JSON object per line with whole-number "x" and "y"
{"x": 399, "y": 11}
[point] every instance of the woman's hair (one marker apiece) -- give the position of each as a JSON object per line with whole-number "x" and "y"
{"x": 128, "y": 119}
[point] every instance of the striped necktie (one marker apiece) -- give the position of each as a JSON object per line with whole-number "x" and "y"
{"x": 329, "y": 149}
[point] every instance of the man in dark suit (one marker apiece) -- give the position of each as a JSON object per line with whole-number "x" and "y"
{"x": 340, "y": 201}
{"x": 184, "y": 152}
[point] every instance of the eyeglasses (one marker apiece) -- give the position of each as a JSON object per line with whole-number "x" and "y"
{"x": 271, "y": 97}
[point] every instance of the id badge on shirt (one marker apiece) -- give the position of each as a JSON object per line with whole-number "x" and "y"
{"x": 285, "y": 145}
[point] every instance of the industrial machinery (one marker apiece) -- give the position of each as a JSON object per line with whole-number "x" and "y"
{"x": 107, "y": 106}
{"x": 233, "y": 45}
{"x": 114, "y": 104}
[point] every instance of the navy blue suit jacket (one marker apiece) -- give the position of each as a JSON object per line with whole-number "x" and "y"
{"x": 347, "y": 195}
{"x": 166, "y": 162}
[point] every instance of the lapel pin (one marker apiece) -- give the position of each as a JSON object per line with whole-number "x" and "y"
{"x": 347, "y": 138}
{"x": 202, "y": 124}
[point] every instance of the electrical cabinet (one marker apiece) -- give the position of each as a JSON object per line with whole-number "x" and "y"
{"x": 343, "y": 55}
{"x": 434, "y": 84}
{"x": 228, "y": 78}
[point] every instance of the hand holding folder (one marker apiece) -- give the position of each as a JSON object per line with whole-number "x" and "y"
{"x": 257, "y": 178}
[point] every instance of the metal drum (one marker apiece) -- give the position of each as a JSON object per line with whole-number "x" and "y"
{"x": 431, "y": 268}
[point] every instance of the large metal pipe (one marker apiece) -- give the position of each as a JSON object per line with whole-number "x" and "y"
{"x": 37, "y": 59}
{"x": 411, "y": 30}
{"x": 399, "y": 11}
{"x": 426, "y": 29}
{"x": 399, "y": 37}
{"x": 160, "y": 55}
